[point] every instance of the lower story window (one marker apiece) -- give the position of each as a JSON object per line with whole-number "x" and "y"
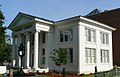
{"x": 43, "y": 60}
{"x": 70, "y": 55}
{"x": 90, "y": 55}
{"x": 104, "y": 56}
{"x": 43, "y": 56}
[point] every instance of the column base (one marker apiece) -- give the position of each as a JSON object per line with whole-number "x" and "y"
{"x": 36, "y": 68}
{"x": 27, "y": 67}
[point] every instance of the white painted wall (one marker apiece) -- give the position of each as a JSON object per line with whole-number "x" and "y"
{"x": 89, "y": 68}
{"x": 78, "y": 44}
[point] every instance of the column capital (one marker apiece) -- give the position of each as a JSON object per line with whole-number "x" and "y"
{"x": 35, "y": 31}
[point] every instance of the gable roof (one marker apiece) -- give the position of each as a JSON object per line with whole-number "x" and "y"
{"x": 29, "y": 16}
{"x": 111, "y": 18}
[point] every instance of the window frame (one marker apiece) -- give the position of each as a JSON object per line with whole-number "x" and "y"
{"x": 66, "y": 35}
{"x": 43, "y": 37}
{"x": 90, "y": 55}
{"x": 90, "y": 35}
{"x": 43, "y": 53}
{"x": 104, "y": 38}
{"x": 70, "y": 56}
{"x": 104, "y": 56}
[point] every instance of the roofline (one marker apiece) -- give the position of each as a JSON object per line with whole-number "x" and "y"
{"x": 35, "y": 17}
{"x": 105, "y": 11}
{"x": 96, "y": 22}
{"x": 68, "y": 18}
{"x": 13, "y": 20}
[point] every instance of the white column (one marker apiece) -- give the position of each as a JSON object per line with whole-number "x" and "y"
{"x": 13, "y": 51}
{"x": 98, "y": 43}
{"x": 35, "y": 50}
{"x": 27, "y": 54}
{"x": 110, "y": 52}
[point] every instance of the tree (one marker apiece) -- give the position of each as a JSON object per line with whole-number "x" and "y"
{"x": 5, "y": 48}
{"x": 59, "y": 56}
{"x": 2, "y": 30}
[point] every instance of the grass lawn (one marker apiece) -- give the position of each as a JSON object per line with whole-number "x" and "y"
{"x": 1, "y": 75}
{"x": 87, "y": 76}
{"x": 43, "y": 76}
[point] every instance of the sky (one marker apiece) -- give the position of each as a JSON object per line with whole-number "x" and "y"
{"x": 53, "y": 9}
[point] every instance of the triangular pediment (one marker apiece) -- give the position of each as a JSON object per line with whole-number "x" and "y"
{"x": 21, "y": 19}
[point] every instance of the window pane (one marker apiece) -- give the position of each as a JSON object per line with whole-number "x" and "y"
{"x": 66, "y": 38}
{"x": 71, "y": 55}
{"x": 71, "y": 34}
{"x": 90, "y": 55}
{"x": 61, "y": 36}
{"x": 43, "y": 37}
{"x": 43, "y": 60}
{"x": 104, "y": 38}
{"x": 105, "y": 56}
{"x": 90, "y": 35}
{"x": 43, "y": 51}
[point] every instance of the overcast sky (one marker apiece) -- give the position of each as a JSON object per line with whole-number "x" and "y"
{"x": 54, "y": 9}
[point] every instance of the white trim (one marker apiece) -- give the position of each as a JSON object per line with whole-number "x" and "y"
{"x": 86, "y": 19}
{"x": 39, "y": 20}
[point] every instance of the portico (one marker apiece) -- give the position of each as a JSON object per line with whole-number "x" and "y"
{"x": 29, "y": 31}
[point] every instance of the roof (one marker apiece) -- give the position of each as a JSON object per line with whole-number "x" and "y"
{"x": 36, "y": 17}
{"x": 88, "y": 18}
{"x": 111, "y": 18}
{"x": 95, "y": 11}
{"x": 30, "y": 16}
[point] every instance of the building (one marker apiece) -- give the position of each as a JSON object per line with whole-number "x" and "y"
{"x": 111, "y": 18}
{"x": 89, "y": 43}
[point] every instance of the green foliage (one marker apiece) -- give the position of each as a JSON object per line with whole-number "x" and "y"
{"x": 2, "y": 29}
{"x": 44, "y": 76}
{"x": 2, "y": 18}
{"x": 5, "y": 53}
{"x": 5, "y": 48}
{"x": 59, "y": 56}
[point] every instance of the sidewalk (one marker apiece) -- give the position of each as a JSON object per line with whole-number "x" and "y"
{"x": 117, "y": 76}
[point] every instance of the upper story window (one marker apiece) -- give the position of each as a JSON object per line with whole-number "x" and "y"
{"x": 90, "y": 35}
{"x": 104, "y": 38}
{"x": 66, "y": 35}
{"x": 43, "y": 37}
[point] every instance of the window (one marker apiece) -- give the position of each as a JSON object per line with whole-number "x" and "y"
{"x": 90, "y": 35}
{"x": 32, "y": 37}
{"x": 104, "y": 56}
{"x": 90, "y": 55}
{"x": 70, "y": 53}
{"x": 66, "y": 35}
{"x": 104, "y": 38}
{"x": 61, "y": 36}
{"x": 43, "y": 56}
{"x": 71, "y": 34}
{"x": 43, "y": 37}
